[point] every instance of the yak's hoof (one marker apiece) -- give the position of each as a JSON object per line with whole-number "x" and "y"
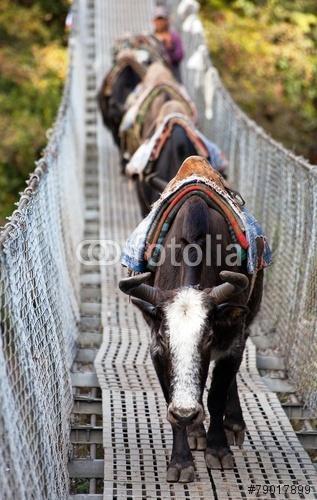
{"x": 196, "y": 436}
{"x": 219, "y": 458}
{"x": 235, "y": 432}
{"x": 235, "y": 438}
{"x": 177, "y": 473}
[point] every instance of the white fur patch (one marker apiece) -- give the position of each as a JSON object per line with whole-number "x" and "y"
{"x": 186, "y": 317}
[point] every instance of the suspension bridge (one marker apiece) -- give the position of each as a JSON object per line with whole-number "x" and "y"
{"x": 81, "y": 412}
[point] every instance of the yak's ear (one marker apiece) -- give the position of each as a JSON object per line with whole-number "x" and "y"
{"x": 229, "y": 314}
{"x": 150, "y": 312}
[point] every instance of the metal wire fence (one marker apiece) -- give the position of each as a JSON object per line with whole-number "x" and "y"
{"x": 39, "y": 302}
{"x": 281, "y": 190}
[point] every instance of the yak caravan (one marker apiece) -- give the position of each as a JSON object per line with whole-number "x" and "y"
{"x": 195, "y": 229}
{"x": 158, "y": 278}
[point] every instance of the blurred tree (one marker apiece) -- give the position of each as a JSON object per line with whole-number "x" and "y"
{"x": 32, "y": 71}
{"x": 266, "y": 52}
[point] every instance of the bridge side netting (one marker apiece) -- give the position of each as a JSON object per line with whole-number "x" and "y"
{"x": 281, "y": 190}
{"x": 39, "y": 303}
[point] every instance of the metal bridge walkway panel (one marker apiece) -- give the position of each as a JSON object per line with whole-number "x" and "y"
{"x": 136, "y": 436}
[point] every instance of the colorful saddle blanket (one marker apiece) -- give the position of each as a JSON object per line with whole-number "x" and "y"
{"x": 142, "y": 249}
{"x": 150, "y": 150}
{"x": 132, "y": 124}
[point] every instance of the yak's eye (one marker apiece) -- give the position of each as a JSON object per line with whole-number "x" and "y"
{"x": 207, "y": 337}
{"x": 158, "y": 313}
{"x": 158, "y": 344}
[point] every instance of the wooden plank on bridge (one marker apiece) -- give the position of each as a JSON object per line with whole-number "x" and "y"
{"x": 86, "y": 468}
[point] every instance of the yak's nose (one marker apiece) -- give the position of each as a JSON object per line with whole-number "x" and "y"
{"x": 185, "y": 416}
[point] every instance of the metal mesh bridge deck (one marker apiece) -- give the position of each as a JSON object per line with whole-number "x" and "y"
{"x": 136, "y": 437}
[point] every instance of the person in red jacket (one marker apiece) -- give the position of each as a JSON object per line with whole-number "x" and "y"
{"x": 170, "y": 39}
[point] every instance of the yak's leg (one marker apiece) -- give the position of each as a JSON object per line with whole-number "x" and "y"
{"x": 218, "y": 454}
{"x": 181, "y": 466}
{"x": 233, "y": 422}
{"x": 144, "y": 196}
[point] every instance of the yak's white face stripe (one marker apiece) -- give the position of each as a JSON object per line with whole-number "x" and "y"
{"x": 186, "y": 317}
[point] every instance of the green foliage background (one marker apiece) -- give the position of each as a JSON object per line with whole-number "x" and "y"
{"x": 32, "y": 70}
{"x": 266, "y": 52}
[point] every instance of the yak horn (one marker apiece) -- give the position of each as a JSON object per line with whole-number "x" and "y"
{"x": 135, "y": 287}
{"x": 128, "y": 284}
{"x": 156, "y": 182}
{"x": 234, "y": 283}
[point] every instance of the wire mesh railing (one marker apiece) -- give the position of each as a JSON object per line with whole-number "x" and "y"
{"x": 39, "y": 302}
{"x": 281, "y": 190}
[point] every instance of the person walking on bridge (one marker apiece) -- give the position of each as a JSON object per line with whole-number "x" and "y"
{"x": 169, "y": 38}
